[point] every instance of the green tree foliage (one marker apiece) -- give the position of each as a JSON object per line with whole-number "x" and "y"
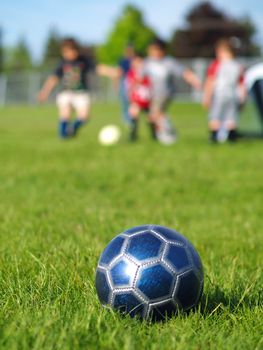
{"x": 130, "y": 28}
{"x": 205, "y": 24}
{"x": 52, "y": 49}
{"x": 18, "y": 58}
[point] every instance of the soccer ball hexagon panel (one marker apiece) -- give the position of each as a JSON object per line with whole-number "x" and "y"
{"x": 151, "y": 272}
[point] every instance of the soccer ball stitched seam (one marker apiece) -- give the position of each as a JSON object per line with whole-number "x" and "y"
{"x": 129, "y": 246}
{"x": 173, "y": 282}
{"x": 119, "y": 291}
{"x": 169, "y": 264}
{"x": 166, "y": 240}
{"x": 135, "y": 233}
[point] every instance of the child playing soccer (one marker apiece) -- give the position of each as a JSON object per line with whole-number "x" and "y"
{"x": 72, "y": 73}
{"x": 224, "y": 90}
{"x": 163, "y": 71}
{"x": 138, "y": 87}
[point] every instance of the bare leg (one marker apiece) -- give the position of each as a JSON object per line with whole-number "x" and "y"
{"x": 65, "y": 109}
{"x": 82, "y": 106}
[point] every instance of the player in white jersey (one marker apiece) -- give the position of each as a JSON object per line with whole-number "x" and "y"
{"x": 224, "y": 90}
{"x": 163, "y": 71}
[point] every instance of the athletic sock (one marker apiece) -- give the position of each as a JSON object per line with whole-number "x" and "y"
{"x": 232, "y": 136}
{"x": 63, "y": 129}
{"x": 134, "y": 130}
{"x": 77, "y": 124}
{"x": 152, "y": 127}
{"x": 213, "y": 136}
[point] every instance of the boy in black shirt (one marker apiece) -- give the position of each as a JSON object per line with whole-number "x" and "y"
{"x": 72, "y": 73}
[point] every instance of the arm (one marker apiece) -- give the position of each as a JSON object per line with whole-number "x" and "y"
{"x": 208, "y": 92}
{"x": 46, "y": 90}
{"x": 243, "y": 93}
{"x": 242, "y": 89}
{"x": 108, "y": 71}
{"x": 189, "y": 76}
{"x": 192, "y": 79}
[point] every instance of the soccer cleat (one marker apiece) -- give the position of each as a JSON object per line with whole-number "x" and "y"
{"x": 77, "y": 124}
{"x": 165, "y": 138}
{"x": 133, "y": 131}
{"x": 213, "y": 137}
{"x": 166, "y": 135}
{"x": 64, "y": 129}
{"x": 232, "y": 136}
{"x": 222, "y": 135}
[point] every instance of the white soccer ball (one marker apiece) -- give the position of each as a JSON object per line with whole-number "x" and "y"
{"x": 109, "y": 135}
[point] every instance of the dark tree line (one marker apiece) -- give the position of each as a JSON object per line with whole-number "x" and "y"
{"x": 205, "y": 24}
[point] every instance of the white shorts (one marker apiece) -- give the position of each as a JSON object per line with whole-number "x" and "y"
{"x": 79, "y": 100}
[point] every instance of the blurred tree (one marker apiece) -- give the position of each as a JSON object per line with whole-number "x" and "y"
{"x": 205, "y": 24}
{"x": 18, "y": 58}
{"x": 130, "y": 28}
{"x": 52, "y": 49}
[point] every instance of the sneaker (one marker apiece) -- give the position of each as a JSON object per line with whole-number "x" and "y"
{"x": 133, "y": 136}
{"x": 222, "y": 135}
{"x": 166, "y": 138}
{"x": 167, "y": 134}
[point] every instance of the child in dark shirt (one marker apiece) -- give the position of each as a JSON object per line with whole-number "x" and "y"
{"x": 72, "y": 73}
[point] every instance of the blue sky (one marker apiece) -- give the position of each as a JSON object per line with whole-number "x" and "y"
{"x": 90, "y": 20}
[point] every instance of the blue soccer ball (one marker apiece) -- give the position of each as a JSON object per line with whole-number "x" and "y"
{"x": 150, "y": 272}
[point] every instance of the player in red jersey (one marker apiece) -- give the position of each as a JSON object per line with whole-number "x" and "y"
{"x": 139, "y": 91}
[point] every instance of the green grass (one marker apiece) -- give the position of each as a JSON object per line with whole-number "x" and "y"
{"x": 61, "y": 203}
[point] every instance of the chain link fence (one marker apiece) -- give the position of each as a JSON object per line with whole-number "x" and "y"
{"x": 22, "y": 88}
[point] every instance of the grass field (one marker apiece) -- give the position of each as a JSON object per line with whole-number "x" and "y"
{"x": 62, "y": 202}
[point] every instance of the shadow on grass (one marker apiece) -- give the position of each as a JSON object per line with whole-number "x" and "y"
{"x": 218, "y": 301}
